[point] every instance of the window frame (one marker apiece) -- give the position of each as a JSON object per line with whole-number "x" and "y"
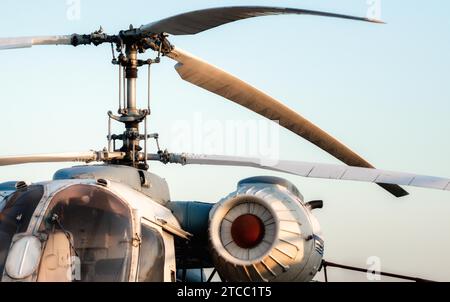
{"x": 52, "y": 188}
{"x": 144, "y": 222}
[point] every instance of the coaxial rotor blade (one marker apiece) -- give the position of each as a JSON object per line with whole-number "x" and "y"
{"x": 312, "y": 170}
{"x": 220, "y": 82}
{"x": 60, "y": 157}
{"x": 200, "y": 20}
{"x": 26, "y": 42}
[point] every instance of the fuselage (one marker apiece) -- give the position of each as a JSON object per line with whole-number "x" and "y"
{"x": 117, "y": 223}
{"x": 89, "y": 228}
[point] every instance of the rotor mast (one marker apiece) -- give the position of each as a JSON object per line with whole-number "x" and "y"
{"x": 131, "y": 71}
{"x": 131, "y": 116}
{"x": 131, "y": 135}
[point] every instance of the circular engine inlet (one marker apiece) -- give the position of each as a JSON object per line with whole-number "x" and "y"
{"x": 247, "y": 231}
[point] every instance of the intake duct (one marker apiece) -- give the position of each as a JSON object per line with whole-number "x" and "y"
{"x": 264, "y": 232}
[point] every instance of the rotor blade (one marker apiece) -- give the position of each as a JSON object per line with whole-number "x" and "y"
{"x": 311, "y": 170}
{"x": 60, "y": 157}
{"x": 200, "y": 20}
{"x": 215, "y": 80}
{"x": 26, "y": 42}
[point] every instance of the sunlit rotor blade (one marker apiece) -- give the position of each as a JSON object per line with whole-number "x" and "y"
{"x": 60, "y": 157}
{"x": 220, "y": 82}
{"x": 201, "y": 20}
{"x": 26, "y": 42}
{"x": 312, "y": 170}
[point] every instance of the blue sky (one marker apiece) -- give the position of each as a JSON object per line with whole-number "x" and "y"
{"x": 381, "y": 89}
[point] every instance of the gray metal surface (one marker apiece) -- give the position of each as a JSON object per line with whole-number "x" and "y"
{"x": 272, "y": 180}
{"x": 131, "y": 81}
{"x": 152, "y": 185}
{"x": 201, "y": 20}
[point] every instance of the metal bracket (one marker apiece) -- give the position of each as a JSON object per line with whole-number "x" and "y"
{"x": 173, "y": 229}
{"x": 136, "y": 240}
{"x": 127, "y": 118}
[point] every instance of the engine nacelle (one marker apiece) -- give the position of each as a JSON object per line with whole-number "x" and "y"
{"x": 264, "y": 232}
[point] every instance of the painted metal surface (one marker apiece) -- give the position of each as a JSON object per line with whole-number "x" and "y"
{"x": 287, "y": 251}
{"x": 142, "y": 181}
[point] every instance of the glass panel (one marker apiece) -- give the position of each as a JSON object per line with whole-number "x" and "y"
{"x": 100, "y": 226}
{"x": 151, "y": 256}
{"x": 16, "y": 215}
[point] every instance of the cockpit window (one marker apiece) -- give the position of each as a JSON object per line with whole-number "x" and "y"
{"x": 16, "y": 215}
{"x": 99, "y": 225}
{"x": 151, "y": 256}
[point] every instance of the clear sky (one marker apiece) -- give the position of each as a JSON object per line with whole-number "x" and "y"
{"x": 381, "y": 89}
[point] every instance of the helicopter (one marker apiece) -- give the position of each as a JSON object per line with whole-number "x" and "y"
{"x": 115, "y": 221}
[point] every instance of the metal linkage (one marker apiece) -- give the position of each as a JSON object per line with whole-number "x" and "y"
{"x": 97, "y": 37}
{"x": 130, "y": 115}
{"x": 166, "y": 157}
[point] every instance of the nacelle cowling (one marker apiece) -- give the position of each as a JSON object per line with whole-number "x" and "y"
{"x": 264, "y": 232}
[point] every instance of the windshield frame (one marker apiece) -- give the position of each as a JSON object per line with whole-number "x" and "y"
{"x": 52, "y": 189}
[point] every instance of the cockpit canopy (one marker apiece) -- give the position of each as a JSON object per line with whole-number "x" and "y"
{"x": 84, "y": 228}
{"x": 98, "y": 224}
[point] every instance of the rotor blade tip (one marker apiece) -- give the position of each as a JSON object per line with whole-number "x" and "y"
{"x": 376, "y": 21}
{"x": 395, "y": 190}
